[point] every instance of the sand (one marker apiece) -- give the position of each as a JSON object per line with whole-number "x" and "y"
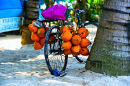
{"x": 24, "y": 66}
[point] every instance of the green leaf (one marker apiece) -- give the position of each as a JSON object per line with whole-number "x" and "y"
{"x": 96, "y": 1}
{"x": 95, "y": 11}
{"x": 89, "y": 1}
{"x": 71, "y": 12}
{"x": 88, "y": 5}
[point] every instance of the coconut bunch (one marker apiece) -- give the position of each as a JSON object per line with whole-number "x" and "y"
{"x": 38, "y": 35}
{"x": 74, "y": 41}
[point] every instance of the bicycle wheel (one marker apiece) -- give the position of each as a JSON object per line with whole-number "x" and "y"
{"x": 89, "y": 26}
{"x": 55, "y": 59}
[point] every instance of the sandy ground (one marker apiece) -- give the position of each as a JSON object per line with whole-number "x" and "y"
{"x": 24, "y": 66}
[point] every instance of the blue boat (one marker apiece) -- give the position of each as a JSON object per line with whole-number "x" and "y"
{"x": 10, "y": 8}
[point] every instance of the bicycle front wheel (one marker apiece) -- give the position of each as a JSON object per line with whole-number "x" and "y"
{"x": 55, "y": 59}
{"x": 92, "y": 28}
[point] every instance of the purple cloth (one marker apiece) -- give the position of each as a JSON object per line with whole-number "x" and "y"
{"x": 55, "y": 12}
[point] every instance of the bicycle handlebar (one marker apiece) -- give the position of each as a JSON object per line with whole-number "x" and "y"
{"x": 77, "y": 14}
{"x": 79, "y": 11}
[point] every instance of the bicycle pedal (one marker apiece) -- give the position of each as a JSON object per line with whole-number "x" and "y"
{"x": 57, "y": 73}
{"x": 63, "y": 74}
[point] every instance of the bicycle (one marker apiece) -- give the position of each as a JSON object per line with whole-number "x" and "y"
{"x": 55, "y": 59}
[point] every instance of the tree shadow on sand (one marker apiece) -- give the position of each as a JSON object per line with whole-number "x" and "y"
{"x": 23, "y": 64}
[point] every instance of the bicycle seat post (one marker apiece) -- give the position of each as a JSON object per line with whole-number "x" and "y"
{"x": 77, "y": 15}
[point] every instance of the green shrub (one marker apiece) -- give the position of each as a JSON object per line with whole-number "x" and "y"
{"x": 93, "y": 9}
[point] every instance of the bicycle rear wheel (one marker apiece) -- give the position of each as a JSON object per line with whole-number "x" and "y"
{"x": 55, "y": 59}
{"x": 91, "y": 26}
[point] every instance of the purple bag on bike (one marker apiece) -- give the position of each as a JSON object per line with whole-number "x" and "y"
{"x": 56, "y": 12}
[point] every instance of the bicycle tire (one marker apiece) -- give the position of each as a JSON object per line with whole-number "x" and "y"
{"x": 78, "y": 58}
{"x": 58, "y": 59}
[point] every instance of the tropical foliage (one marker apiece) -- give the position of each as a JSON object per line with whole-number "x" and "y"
{"x": 93, "y": 9}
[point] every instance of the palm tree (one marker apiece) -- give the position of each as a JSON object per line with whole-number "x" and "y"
{"x": 81, "y": 4}
{"x": 110, "y": 53}
{"x": 31, "y": 13}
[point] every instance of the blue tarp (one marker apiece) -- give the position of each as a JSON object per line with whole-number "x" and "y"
{"x": 10, "y": 8}
{"x": 10, "y": 12}
{"x": 10, "y": 24}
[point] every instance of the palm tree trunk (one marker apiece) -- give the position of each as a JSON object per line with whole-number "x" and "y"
{"x": 110, "y": 53}
{"x": 81, "y": 4}
{"x": 31, "y": 13}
